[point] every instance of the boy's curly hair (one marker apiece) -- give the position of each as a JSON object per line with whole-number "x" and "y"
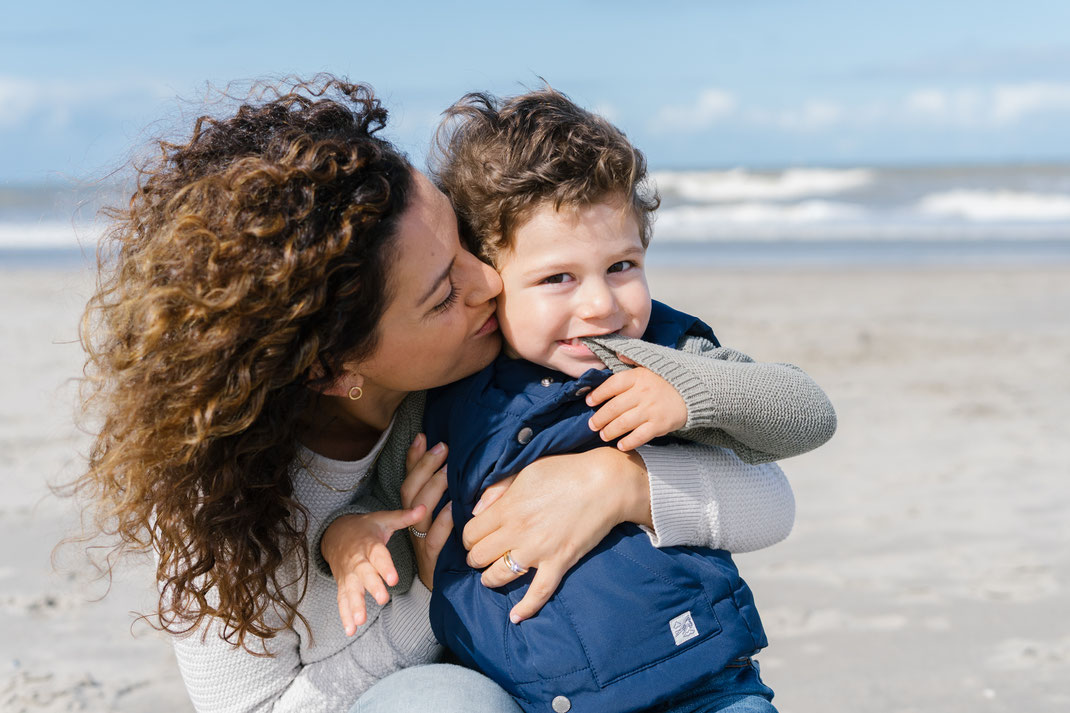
{"x": 499, "y": 159}
{"x": 250, "y": 262}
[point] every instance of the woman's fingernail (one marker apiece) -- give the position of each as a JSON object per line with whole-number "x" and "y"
{"x": 514, "y": 617}
{"x": 478, "y": 508}
{"x": 439, "y": 447}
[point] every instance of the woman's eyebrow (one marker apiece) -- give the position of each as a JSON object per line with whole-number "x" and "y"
{"x": 437, "y": 282}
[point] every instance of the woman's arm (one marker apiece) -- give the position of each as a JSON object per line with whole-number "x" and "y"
{"x": 220, "y": 677}
{"x": 557, "y": 509}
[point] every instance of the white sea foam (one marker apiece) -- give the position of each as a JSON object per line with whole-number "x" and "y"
{"x": 48, "y": 235}
{"x": 742, "y": 185}
{"x": 996, "y": 206}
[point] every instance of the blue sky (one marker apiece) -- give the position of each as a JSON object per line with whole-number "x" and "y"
{"x": 694, "y": 84}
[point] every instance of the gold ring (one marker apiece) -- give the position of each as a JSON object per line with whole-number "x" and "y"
{"x": 512, "y": 565}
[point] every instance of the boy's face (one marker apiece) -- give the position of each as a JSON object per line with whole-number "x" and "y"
{"x": 571, "y": 274}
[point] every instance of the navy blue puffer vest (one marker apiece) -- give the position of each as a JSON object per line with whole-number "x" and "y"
{"x": 631, "y": 624}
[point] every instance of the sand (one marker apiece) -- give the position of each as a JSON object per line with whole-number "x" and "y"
{"x": 928, "y": 570}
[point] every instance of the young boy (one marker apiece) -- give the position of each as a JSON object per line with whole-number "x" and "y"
{"x": 553, "y": 198}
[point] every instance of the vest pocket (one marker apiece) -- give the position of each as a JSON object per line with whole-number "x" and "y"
{"x": 633, "y": 605}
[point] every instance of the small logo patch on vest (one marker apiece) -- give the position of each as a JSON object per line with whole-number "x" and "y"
{"x": 683, "y": 628}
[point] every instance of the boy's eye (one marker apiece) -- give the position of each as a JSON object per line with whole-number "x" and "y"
{"x": 557, "y": 279}
{"x": 621, "y": 266}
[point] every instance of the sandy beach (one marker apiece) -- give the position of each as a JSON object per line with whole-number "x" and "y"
{"x": 928, "y": 569}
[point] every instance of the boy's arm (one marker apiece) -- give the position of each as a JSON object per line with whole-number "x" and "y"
{"x": 762, "y": 411}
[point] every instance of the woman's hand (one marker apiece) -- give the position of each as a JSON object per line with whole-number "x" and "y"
{"x": 551, "y": 514}
{"x": 424, "y": 485}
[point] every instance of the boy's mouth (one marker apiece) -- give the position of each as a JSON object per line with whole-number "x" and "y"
{"x": 576, "y": 347}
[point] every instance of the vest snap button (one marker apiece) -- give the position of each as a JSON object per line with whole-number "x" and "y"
{"x": 583, "y": 391}
{"x": 561, "y": 704}
{"x": 546, "y": 381}
{"x": 524, "y": 436}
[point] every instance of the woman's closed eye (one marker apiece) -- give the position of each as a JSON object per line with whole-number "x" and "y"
{"x": 445, "y": 304}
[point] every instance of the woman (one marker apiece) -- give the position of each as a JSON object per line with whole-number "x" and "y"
{"x": 270, "y": 311}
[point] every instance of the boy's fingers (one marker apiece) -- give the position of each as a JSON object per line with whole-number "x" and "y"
{"x": 610, "y": 410}
{"x": 351, "y": 604}
{"x": 400, "y": 519}
{"x": 625, "y": 423}
{"x": 610, "y": 388}
{"x": 372, "y": 582}
{"x": 345, "y": 613}
{"x": 384, "y": 564}
{"x": 642, "y": 435}
{"x": 542, "y": 587}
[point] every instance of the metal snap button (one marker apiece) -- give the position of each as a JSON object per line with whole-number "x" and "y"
{"x": 523, "y": 437}
{"x": 546, "y": 381}
{"x": 561, "y": 704}
{"x": 583, "y": 391}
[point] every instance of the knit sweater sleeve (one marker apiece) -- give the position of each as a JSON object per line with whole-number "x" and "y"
{"x": 708, "y": 497}
{"x": 762, "y": 411}
{"x": 221, "y": 678}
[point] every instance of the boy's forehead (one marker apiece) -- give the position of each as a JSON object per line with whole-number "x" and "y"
{"x": 550, "y": 234}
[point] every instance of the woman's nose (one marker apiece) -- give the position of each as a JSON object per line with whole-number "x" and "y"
{"x": 486, "y": 283}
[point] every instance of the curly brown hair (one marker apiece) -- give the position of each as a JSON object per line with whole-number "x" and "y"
{"x": 249, "y": 265}
{"x": 499, "y": 159}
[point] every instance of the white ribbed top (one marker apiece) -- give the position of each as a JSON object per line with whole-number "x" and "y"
{"x": 321, "y": 670}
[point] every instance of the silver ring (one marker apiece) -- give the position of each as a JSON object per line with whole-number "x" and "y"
{"x": 417, "y": 533}
{"x": 512, "y": 565}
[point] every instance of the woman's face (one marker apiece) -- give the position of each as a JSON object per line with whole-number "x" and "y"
{"x": 439, "y": 325}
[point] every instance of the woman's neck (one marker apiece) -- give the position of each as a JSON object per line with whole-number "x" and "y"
{"x": 341, "y": 429}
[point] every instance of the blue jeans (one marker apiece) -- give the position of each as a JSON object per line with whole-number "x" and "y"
{"x": 435, "y": 688}
{"x": 737, "y": 688}
{"x": 446, "y": 688}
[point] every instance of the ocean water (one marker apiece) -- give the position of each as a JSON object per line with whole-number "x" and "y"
{"x": 1005, "y": 214}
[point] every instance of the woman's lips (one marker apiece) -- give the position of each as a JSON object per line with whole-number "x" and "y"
{"x": 489, "y": 326}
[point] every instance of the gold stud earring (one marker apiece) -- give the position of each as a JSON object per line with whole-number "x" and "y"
{"x": 355, "y": 393}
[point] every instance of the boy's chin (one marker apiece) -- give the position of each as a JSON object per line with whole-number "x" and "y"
{"x": 575, "y": 368}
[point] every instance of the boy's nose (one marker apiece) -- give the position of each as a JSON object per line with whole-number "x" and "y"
{"x": 596, "y": 301}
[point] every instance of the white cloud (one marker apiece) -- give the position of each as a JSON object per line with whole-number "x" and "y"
{"x": 1010, "y": 104}
{"x": 607, "y": 111}
{"x": 812, "y": 115}
{"x": 711, "y": 106}
{"x": 1002, "y": 105}
{"x": 54, "y": 102}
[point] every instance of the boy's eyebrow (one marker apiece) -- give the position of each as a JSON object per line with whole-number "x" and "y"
{"x": 551, "y": 268}
{"x": 437, "y": 282}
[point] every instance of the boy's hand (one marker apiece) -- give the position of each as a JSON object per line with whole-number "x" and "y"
{"x": 637, "y": 402}
{"x": 355, "y": 548}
